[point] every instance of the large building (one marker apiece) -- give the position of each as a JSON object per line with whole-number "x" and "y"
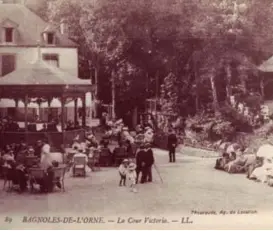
{"x": 21, "y": 30}
{"x": 21, "y": 33}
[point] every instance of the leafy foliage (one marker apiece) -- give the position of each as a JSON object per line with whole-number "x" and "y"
{"x": 199, "y": 51}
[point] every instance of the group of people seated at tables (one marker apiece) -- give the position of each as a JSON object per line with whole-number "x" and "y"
{"x": 143, "y": 154}
{"x": 7, "y": 124}
{"x": 15, "y": 166}
{"x": 91, "y": 146}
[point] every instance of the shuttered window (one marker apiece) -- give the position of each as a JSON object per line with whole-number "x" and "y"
{"x": 9, "y": 35}
{"x": 52, "y": 59}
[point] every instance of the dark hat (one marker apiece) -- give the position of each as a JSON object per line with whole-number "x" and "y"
{"x": 147, "y": 145}
{"x": 142, "y": 145}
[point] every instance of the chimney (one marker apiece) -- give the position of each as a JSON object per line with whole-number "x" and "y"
{"x": 63, "y": 27}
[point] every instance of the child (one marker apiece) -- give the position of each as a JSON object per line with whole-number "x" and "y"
{"x": 131, "y": 175}
{"x": 123, "y": 172}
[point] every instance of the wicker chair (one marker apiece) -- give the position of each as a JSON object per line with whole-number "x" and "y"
{"x": 59, "y": 175}
{"x": 79, "y": 165}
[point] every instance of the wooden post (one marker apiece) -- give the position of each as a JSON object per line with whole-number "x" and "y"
{"x": 75, "y": 111}
{"x": 62, "y": 122}
{"x": 49, "y": 109}
{"x": 83, "y": 111}
{"x": 113, "y": 90}
{"x": 26, "y": 124}
{"x": 16, "y": 109}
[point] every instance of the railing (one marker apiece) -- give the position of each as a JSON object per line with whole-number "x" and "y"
{"x": 58, "y": 140}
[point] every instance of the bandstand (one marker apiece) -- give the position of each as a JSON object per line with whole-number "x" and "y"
{"x": 43, "y": 81}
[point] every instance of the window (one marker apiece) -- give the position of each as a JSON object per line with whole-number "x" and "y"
{"x": 8, "y": 64}
{"x": 9, "y": 35}
{"x": 50, "y": 38}
{"x": 52, "y": 59}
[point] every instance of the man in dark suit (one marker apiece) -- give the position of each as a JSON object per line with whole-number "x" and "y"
{"x": 140, "y": 155}
{"x": 172, "y": 144}
{"x": 149, "y": 161}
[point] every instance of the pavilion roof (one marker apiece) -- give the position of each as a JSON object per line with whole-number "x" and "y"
{"x": 41, "y": 73}
{"x": 40, "y": 79}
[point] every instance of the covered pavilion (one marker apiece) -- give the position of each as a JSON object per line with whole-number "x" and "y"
{"x": 43, "y": 81}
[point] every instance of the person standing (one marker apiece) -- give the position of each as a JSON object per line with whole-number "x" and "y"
{"x": 172, "y": 144}
{"x": 38, "y": 149}
{"x": 149, "y": 161}
{"x": 46, "y": 184}
{"x": 140, "y": 155}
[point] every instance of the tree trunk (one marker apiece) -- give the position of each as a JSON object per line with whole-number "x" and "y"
{"x": 243, "y": 82}
{"x": 96, "y": 91}
{"x": 197, "y": 97}
{"x": 214, "y": 92}
{"x": 228, "y": 84}
{"x": 262, "y": 87}
{"x": 113, "y": 90}
{"x": 135, "y": 114}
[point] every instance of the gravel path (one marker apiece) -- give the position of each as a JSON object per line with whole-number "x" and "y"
{"x": 190, "y": 184}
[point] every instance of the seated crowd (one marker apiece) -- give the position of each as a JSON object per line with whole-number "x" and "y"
{"x": 18, "y": 159}
{"x": 7, "y": 124}
{"x": 258, "y": 167}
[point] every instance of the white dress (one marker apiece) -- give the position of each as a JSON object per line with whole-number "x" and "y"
{"x": 131, "y": 176}
{"x": 46, "y": 160}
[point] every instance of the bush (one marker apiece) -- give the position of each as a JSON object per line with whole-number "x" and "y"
{"x": 237, "y": 120}
{"x": 208, "y": 128}
{"x": 224, "y": 129}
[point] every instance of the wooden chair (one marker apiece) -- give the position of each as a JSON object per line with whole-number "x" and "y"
{"x": 105, "y": 157}
{"x": 79, "y": 165}
{"x": 120, "y": 154}
{"x": 7, "y": 172}
{"x": 59, "y": 175}
{"x": 94, "y": 161}
{"x": 34, "y": 175}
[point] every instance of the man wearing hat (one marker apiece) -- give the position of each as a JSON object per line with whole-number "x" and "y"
{"x": 172, "y": 143}
{"x": 140, "y": 162}
{"x": 149, "y": 161}
{"x": 145, "y": 161}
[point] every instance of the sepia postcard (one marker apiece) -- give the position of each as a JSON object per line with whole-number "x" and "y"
{"x": 136, "y": 114}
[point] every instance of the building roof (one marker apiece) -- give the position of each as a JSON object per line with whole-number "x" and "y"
{"x": 267, "y": 66}
{"x": 41, "y": 73}
{"x": 30, "y": 26}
